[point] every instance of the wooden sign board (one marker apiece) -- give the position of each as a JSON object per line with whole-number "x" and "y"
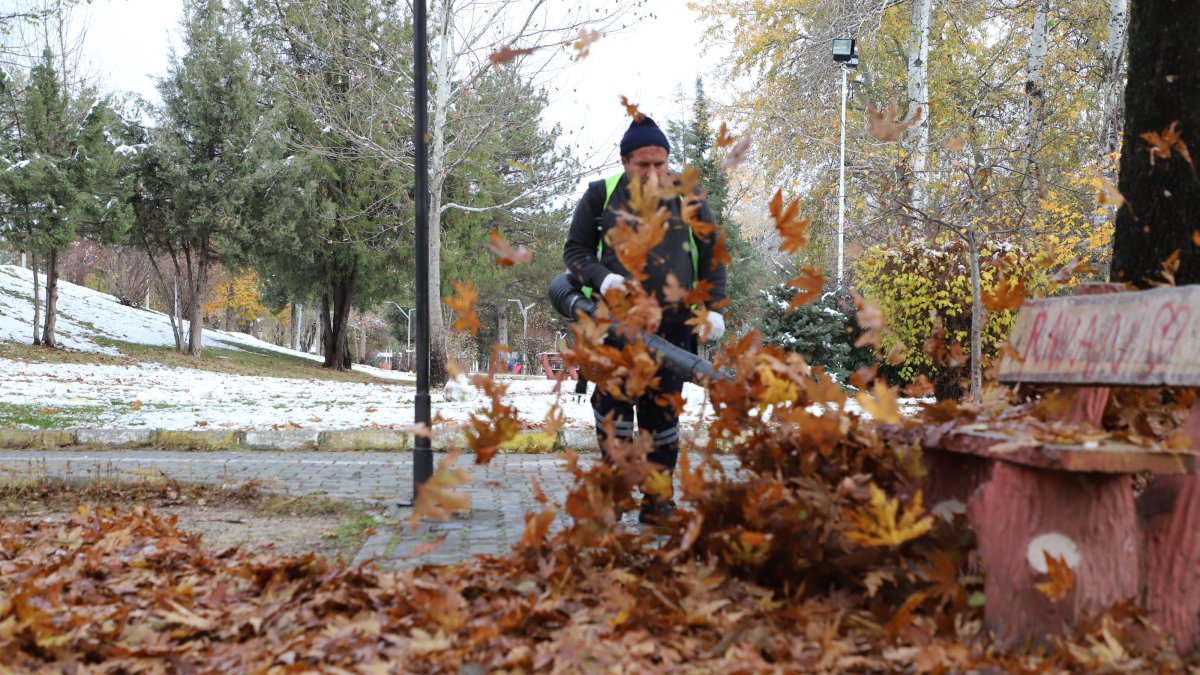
{"x": 1137, "y": 338}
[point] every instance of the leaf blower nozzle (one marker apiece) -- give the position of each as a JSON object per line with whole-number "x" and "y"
{"x": 568, "y": 299}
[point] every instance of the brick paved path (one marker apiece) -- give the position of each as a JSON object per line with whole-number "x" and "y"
{"x": 501, "y": 492}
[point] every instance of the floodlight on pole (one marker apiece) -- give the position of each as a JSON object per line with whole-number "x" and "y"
{"x": 846, "y": 56}
{"x": 524, "y": 324}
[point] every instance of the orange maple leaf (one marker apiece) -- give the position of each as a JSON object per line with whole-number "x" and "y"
{"x": 808, "y": 287}
{"x": 436, "y": 497}
{"x": 463, "y": 302}
{"x": 1007, "y": 295}
{"x": 506, "y": 54}
{"x": 724, "y": 138}
{"x": 882, "y": 125}
{"x": 632, "y": 110}
{"x": 583, "y": 44}
{"x": 1062, "y": 578}
{"x": 496, "y": 426}
{"x": 737, "y": 154}
{"x": 1163, "y": 142}
{"x": 794, "y": 231}
{"x": 506, "y": 255}
{"x": 884, "y": 407}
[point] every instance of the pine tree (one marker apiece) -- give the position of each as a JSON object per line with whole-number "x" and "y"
{"x": 61, "y": 178}
{"x": 749, "y": 274}
{"x": 205, "y": 156}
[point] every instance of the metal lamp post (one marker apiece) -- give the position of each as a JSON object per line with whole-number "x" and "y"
{"x": 845, "y": 55}
{"x": 422, "y": 447}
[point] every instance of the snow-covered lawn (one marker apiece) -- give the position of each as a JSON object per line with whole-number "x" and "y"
{"x": 155, "y": 396}
{"x": 150, "y": 395}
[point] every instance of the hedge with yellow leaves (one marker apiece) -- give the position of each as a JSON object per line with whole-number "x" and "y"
{"x": 916, "y": 283}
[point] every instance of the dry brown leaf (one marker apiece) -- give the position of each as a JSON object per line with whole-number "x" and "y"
{"x": 506, "y": 54}
{"x": 883, "y": 126}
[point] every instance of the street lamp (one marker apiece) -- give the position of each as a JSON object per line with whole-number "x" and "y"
{"x": 408, "y": 314}
{"x": 845, "y": 55}
{"x": 524, "y": 328}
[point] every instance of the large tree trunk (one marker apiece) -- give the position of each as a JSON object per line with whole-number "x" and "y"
{"x": 918, "y": 97}
{"x": 1163, "y": 197}
{"x": 37, "y": 301}
{"x": 1035, "y": 103}
{"x": 297, "y": 318}
{"x": 437, "y": 180}
{"x": 197, "y": 290}
{"x": 48, "y": 339}
{"x": 229, "y": 306}
{"x": 336, "y": 320}
{"x": 977, "y": 316}
{"x": 1111, "y": 104}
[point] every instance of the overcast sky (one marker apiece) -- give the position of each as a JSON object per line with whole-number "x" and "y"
{"x": 128, "y": 41}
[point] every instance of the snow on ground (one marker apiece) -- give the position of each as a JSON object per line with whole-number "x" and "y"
{"x": 159, "y": 397}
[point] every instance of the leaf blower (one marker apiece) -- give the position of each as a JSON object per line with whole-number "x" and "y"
{"x": 566, "y": 295}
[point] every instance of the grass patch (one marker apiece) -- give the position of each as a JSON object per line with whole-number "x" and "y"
{"x": 353, "y": 532}
{"x": 23, "y": 351}
{"x": 41, "y": 417}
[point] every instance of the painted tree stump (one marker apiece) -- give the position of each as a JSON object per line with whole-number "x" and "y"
{"x": 1086, "y": 519}
{"x": 1170, "y": 511}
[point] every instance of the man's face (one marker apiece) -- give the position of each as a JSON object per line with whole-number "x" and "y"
{"x": 646, "y": 161}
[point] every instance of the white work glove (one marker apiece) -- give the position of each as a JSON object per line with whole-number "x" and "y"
{"x": 715, "y": 324}
{"x": 612, "y": 281}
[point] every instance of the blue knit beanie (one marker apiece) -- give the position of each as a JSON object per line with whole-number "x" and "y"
{"x": 642, "y": 133}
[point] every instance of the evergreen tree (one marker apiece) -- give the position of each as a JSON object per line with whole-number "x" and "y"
{"x": 61, "y": 177}
{"x": 749, "y": 274}
{"x": 823, "y": 331}
{"x": 338, "y": 219}
{"x": 205, "y": 157}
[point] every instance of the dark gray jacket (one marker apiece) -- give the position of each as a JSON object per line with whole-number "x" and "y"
{"x": 671, "y": 256}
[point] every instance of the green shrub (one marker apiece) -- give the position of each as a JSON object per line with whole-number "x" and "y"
{"x": 914, "y": 282}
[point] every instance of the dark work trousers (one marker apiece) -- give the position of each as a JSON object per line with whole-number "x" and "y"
{"x": 660, "y": 421}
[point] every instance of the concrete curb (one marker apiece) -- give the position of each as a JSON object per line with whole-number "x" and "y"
{"x": 348, "y": 440}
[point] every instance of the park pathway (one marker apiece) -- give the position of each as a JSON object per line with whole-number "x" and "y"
{"x": 501, "y": 492}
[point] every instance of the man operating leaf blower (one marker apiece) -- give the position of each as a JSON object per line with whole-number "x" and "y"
{"x": 680, "y": 258}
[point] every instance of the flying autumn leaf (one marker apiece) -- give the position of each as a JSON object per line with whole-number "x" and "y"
{"x": 506, "y": 54}
{"x": 583, "y": 44}
{"x": 463, "y": 302}
{"x": 1071, "y": 270}
{"x": 883, "y": 406}
{"x": 436, "y": 497}
{"x": 1109, "y": 194}
{"x": 631, "y": 109}
{"x": 1007, "y": 295}
{"x": 737, "y": 154}
{"x": 496, "y": 425}
{"x": 724, "y": 138}
{"x": 506, "y": 255}
{"x": 882, "y": 125}
{"x": 954, "y": 144}
{"x": 808, "y": 288}
{"x": 876, "y": 523}
{"x": 793, "y": 230}
{"x": 1061, "y": 581}
{"x": 1170, "y": 266}
{"x": 1163, "y": 142}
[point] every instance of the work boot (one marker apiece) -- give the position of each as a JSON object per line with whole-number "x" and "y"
{"x": 656, "y": 511}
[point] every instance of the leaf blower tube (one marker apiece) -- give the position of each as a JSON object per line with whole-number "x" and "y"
{"x": 569, "y": 300}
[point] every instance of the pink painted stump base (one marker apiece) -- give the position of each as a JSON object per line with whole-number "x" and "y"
{"x": 1170, "y": 510}
{"x": 1087, "y": 518}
